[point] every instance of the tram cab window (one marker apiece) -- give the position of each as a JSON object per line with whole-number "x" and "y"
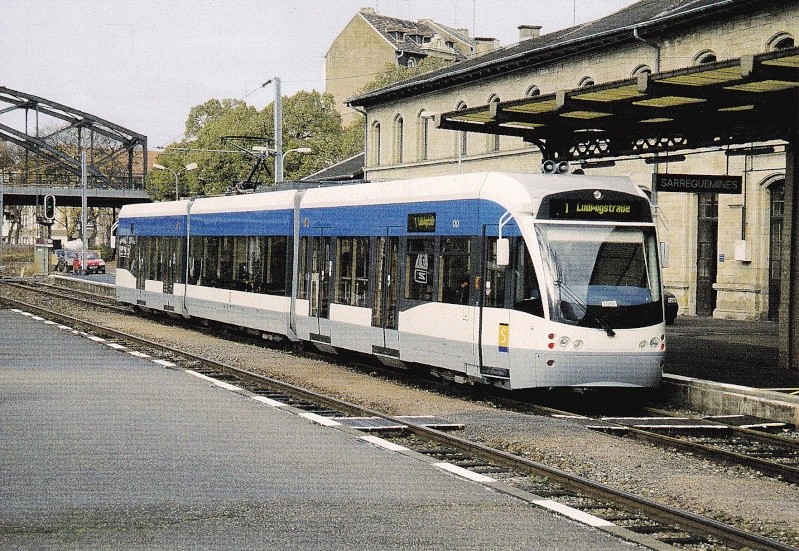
{"x": 352, "y": 254}
{"x": 526, "y": 292}
{"x": 419, "y": 269}
{"x": 454, "y": 280}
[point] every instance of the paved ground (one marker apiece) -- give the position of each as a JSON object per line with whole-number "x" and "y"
{"x": 104, "y": 450}
{"x": 726, "y": 351}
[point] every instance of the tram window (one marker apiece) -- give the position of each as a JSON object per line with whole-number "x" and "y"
{"x": 419, "y": 270}
{"x": 454, "y": 270}
{"x": 494, "y": 287}
{"x": 276, "y": 266}
{"x": 353, "y": 279}
{"x": 304, "y": 271}
{"x": 526, "y": 292}
{"x": 125, "y": 248}
{"x": 196, "y": 259}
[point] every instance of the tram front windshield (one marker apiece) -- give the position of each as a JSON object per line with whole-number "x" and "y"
{"x": 606, "y": 277}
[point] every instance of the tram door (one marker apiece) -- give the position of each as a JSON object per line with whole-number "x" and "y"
{"x": 384, "y": 306}
{"x": 319, "y": 292}
{"x": 707, "y": 249}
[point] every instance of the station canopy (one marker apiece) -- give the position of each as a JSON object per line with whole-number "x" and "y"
{"x": 731, "y": 102}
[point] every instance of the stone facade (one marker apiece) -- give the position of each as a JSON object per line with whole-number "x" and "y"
{"x": 403, "y": 143}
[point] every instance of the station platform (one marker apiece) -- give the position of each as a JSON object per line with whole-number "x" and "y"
{"x": 104, "y": 449}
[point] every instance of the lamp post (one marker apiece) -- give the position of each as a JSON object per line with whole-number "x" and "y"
{"x": 187, "y": 168}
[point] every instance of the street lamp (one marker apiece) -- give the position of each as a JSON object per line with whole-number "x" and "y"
{"x": 187, "y": 168}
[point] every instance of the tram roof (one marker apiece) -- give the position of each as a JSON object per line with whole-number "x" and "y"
{"x": 750, "y": 99}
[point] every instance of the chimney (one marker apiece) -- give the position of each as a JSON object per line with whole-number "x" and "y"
{"x": 368, "y": 11}
{"x": 529, "y": 31}
{"x": 483, "y": 46}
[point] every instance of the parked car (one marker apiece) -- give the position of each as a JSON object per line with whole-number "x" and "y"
{"x": 64, "y": 258}
{"x": 671, "y": 307}
{"x": 94, "y": 263}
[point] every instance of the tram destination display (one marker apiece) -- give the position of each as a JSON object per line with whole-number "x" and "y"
{"x": 422, "y": 223}
{"x": 622, "y": 210}
{"x": 697, "y": 183}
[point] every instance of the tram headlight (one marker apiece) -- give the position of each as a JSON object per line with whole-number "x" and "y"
{"x": 564, "y": 342}
{"x": 642, "y": 345}
{"x": 578, "y": 344}
{"x": 654, "y": 343}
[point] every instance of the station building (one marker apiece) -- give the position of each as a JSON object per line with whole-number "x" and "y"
{"x": 721, "y": 252}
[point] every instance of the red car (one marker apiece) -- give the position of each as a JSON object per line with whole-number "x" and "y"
{"x": 93, "y": 264}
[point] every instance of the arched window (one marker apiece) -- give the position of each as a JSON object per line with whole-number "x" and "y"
{"x": 777, "y": 221}
{"x": 705, "y": 56}
{"x": 640, "y": 70}
{"x": 461, "y": 143}
{"x": 492, "y": 143}
{"x": 375, "y": 149}
{"x": 398, "y": 138}
{"x": 533, "y": 91}
{"x": 423, "y": 134}
{"x": 585, "y": 81}
{"x": 781, "y": 41}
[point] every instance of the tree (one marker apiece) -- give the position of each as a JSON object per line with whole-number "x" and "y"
{"x": 214, "y": 140}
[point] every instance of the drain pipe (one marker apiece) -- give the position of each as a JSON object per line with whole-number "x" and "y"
{"x": 637, "y": 36}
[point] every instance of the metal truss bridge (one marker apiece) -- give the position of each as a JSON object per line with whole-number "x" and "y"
{"x": 50, "y": 139}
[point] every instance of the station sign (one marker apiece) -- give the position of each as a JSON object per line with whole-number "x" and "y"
{"x": 698, "y": 183}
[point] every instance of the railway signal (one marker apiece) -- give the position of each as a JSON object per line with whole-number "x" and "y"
{"x": 49, "y": 207}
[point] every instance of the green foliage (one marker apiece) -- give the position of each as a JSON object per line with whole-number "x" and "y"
{"x": 392, "y": 73}
{"x": 309, "y": 120}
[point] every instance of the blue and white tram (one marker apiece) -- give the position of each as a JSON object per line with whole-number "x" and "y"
{"x": 515, "y": 280}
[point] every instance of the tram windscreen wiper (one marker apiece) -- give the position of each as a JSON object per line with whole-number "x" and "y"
{"x": 574, "y": 298}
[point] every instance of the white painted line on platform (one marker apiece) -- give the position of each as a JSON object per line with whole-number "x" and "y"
{"x": 217, "y": 382}
{"x": 37, "y": 318}
{"x": 65, "y": 327}
{"x": 268, "y": 401}
{"x": 572, "y": 513}
{"x": 115, "y": 346}
{"x": 95, "y": 339}
{"x": 465, "y": 473}
{"x": 138, "y": 354}
{"x": 165, "y": 363}
{"x": 17, "y": 310}
{"x": 322, "y": 420}
{"x": 377, "y": 441}
{"x": 48, "y": 322}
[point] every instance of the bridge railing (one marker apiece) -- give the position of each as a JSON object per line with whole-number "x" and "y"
{"x": 68, "y": 181}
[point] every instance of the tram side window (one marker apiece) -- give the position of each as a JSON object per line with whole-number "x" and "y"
{"x": 526, "y": 292}
{"x": 454, "y": 270}
{"x": 196, "y": 260}
{"x": 495, "y": 277}
{"x": 304, "y": 272}
{"x": 125, "y": 246}
{"x": 419, "y": 270}
{"x": 276, "y": 266}
{"x": 352, "y": 254}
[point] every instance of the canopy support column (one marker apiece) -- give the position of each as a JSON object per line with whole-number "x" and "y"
{"x": 789, "y": 299}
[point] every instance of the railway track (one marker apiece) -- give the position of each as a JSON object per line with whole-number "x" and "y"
{"x": 632, "y": 517}
{"x": 712, "y": 438}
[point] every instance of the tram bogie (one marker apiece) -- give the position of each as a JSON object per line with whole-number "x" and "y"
{"x": 513, "y": 280}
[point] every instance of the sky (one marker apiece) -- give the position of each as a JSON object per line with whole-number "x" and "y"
{"x": 143, "y": 64}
